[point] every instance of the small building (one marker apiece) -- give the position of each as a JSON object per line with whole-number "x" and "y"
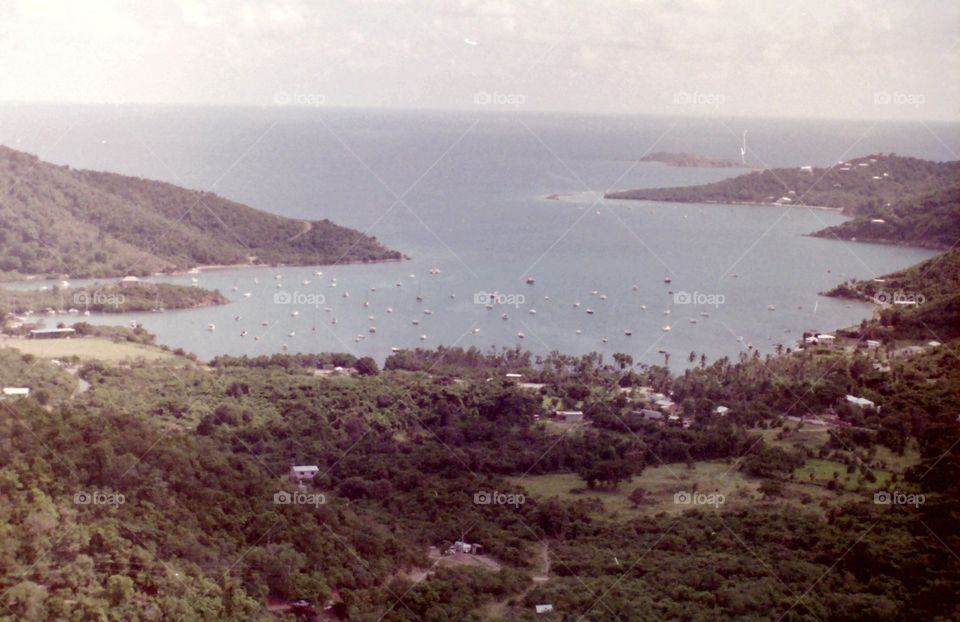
{"x": 464, "y": 547}
{"x": 648, "y": 414}
{"x": 871, "y": 344}
{"x": 52, "y": 333}
{"x": 721, "y": 410}
{"x": 16, "y": 391}
{"x": 129, "y": 280}
{"x": 543, "y": 608}
{"x": 667, "y": 405}
{"x": 513, "y": 376}
{"x": 861, "y": 402}
{"x": 531, "y": 386}
{"x": 303, "y": 473}
{"x": 826, "y": 339}
{"x": 569, "y": 416}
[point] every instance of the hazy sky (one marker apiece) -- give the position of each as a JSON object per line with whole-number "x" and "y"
{"x": 836, "y": 58}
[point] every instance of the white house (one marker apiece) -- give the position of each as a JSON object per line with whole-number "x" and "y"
{"x": 721, "y": 410}
{"x": 543, "y": 608}
{"x": 464, "y": 547}
{"x": 305, "y": 472}
{"x": 667, "y": 405}
{"x": 16, "y": 391}
{"x": 650, "y": 415}
{"x": 861, "y": 402}
{"x": 570, "y": 416}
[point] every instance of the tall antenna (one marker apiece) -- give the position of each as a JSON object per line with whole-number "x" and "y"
{"x": 743, "y": 148}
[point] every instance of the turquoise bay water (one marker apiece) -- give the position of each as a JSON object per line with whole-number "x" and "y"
{"x": 464, "y": 196}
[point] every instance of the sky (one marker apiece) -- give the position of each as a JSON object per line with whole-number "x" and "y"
{"x": 811, "y": 58}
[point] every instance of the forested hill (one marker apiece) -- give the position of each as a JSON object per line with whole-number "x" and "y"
{"x": 57, "y": 220}
{"x": 916, "y": 199}
{"x": 931, "y": 220}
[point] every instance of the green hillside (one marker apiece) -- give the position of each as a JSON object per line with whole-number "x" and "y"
{"x": 917, "y": 199}
{"x": 58, "y": 221}
{"x": 932, "y": 291}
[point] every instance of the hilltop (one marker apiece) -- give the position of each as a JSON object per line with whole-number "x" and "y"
{"x": 916, "y": 200}
{"x": 55, "y": 220}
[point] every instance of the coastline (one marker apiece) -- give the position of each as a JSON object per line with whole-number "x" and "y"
{"x": 606, "y": 197}
{"x": 199, "y": 269}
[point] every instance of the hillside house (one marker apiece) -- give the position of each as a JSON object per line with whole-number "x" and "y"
{"x": 303, "y": 473}
{"x": 464, "y": 547}
{"x": 648, "y": 414}
{"x": 569, "y": 416}
{"x": 860, "y": 402}
{"x": 667, "y": 405}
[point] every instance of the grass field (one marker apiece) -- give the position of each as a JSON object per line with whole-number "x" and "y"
{"x": 87, "y": 348}
{"x": 661, "y": 483}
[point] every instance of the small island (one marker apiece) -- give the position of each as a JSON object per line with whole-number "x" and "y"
{"x": 691, "y": 160}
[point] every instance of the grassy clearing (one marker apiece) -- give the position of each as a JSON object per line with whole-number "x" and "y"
{"x": 88, "y": 348}
{"x": 660, "y": 483}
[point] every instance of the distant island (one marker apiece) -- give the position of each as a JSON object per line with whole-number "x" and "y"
{"x": 57, "y": 221}
{"x": 890, "y": 198}
{"x": 691, "y": 160}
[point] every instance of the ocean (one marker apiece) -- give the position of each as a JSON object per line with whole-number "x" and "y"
{"x": 465, "y": 196}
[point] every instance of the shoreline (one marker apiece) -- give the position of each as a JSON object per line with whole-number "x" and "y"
{"x": 199, "y": 269}
{"x": 755, "y": 203}
{"x": 561, "y": 196}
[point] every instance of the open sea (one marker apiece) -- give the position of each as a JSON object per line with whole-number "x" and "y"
{"x": 465, "y": 196}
